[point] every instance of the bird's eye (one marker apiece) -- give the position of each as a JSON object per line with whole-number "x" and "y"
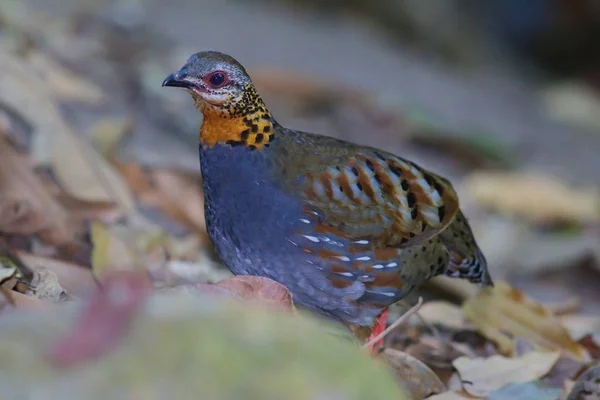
{"x": 217, "y": 79}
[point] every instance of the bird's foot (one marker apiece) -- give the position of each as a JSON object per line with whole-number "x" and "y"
{"x": 378, "y": 328}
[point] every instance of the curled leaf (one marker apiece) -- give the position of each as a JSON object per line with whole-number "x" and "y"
{"x": 416, "y": 378}
{"x": 259, "y": 289}
{"x": 480, "y": 376}
{"x": 503, "y": 314}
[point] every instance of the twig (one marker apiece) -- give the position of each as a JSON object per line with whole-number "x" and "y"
{"x": 401, "y": 320}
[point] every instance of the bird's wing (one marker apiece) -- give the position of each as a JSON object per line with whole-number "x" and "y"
{"x": 377, "y": 197}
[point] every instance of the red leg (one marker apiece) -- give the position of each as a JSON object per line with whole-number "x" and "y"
{"x": 378, "y": 328}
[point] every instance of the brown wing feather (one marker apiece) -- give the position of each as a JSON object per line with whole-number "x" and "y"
{"x": 383, "y": 198}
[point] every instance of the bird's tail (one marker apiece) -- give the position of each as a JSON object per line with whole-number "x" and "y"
{"x": 473, "y": 268}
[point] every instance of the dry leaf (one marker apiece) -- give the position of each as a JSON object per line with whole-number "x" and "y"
{"x": 178, "y": 195}
{"x": 539, "y": 198}
{"x": 442, "y": 313}
{"x": 259, "y": 289}
{"x": 106, "y": 134}
{"x": 23, "y": 301}
{"x": 79, "y": 169}
{"x": 110, "y": 252}
{"x": 481, "y": 376}
{"x": 415, "y": 377}
{"x": 503, "y": 313}
{"x": 25, "y": 205}
{"x": 64, "y": 84}
{"x": 185, "y": 193}
{"x": 75, "y": 279}
{"x": 126, "y": 247}
{"x": 581, "y": 325}
{"x": 47, "y": 287}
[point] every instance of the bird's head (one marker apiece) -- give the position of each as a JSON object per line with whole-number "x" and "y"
{"x": 213, "y": 79}
{"x": 234, "y": 113}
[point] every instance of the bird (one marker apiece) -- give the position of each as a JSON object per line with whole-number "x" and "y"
{"x": 348, "y": 229}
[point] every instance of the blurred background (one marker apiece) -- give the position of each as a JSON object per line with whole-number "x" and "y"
{"x": 502, "y": 97}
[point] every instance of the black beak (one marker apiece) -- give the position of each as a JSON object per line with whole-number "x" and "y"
{"x": 177, "y": 80}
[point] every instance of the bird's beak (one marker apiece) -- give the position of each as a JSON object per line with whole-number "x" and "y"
{"x": 178, "y": 79}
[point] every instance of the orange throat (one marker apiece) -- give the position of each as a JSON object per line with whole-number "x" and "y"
{"x": 246, "y": 123}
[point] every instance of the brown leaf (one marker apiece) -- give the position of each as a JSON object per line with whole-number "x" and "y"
{"x": 78, "y": 168}
{"x": 415, "y": 377}
{"x": 185, "y": 194}
{"x": 65, "y": 84}
{"x": 177, "y": 194}
{"x": 26, "y": 302}
{"x": 73, "y": 278}
{"x": 483, "y": 375}
{"x": 540, "y": 198}
{"x": 25, "y": 205}
{"x": 592, "y": 346}
{"x": 503, "y": 314}
{"x": 261, "y": 290}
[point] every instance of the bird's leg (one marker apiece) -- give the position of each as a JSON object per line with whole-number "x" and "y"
{"x": 378, "y": 328}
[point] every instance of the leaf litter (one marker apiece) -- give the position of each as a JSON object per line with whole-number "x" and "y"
{"x": 85, "y": 226}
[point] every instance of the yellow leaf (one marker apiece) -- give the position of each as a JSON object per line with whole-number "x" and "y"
{"x": 442, "y": 313}
{"x": 139, "y": 244}
{"x": 109, "y": 252}
{"x": 503, "y": 313}
{"x": 535, "y": 197}
{"x": 483, "y": 375}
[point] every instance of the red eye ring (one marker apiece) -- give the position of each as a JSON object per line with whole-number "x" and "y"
{"x": 217, "y": 79}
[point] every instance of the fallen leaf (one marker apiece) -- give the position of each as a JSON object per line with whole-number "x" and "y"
{"x": 503, "y": 313}
{"x": 78, "y": 168}
{"x": 587, "y": 387}
{"x": 442, "y": 313}
{"x": 525, "y": 391}
{"x": 24, "y": 301}
{"x": 109, "y": 252}
{"x": 540, "y": 199}
{"x": 581, "y": 325}
{"x": 73, "y": 278}
{"x": 592, "y": 345}
{"x": 178, "y": 195}
{"x": 64, "y": 84}
{"x": 107, "y": 134}
{"x": 259, "y": 289}
{"x": 127, "y": 247}
{"x": 47, "y": 287}
{"x": 415, "y": 377}
{"x": 480, "y": 376}
{"x": 185, "y": 193}
{"x": 25, "y": 205}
